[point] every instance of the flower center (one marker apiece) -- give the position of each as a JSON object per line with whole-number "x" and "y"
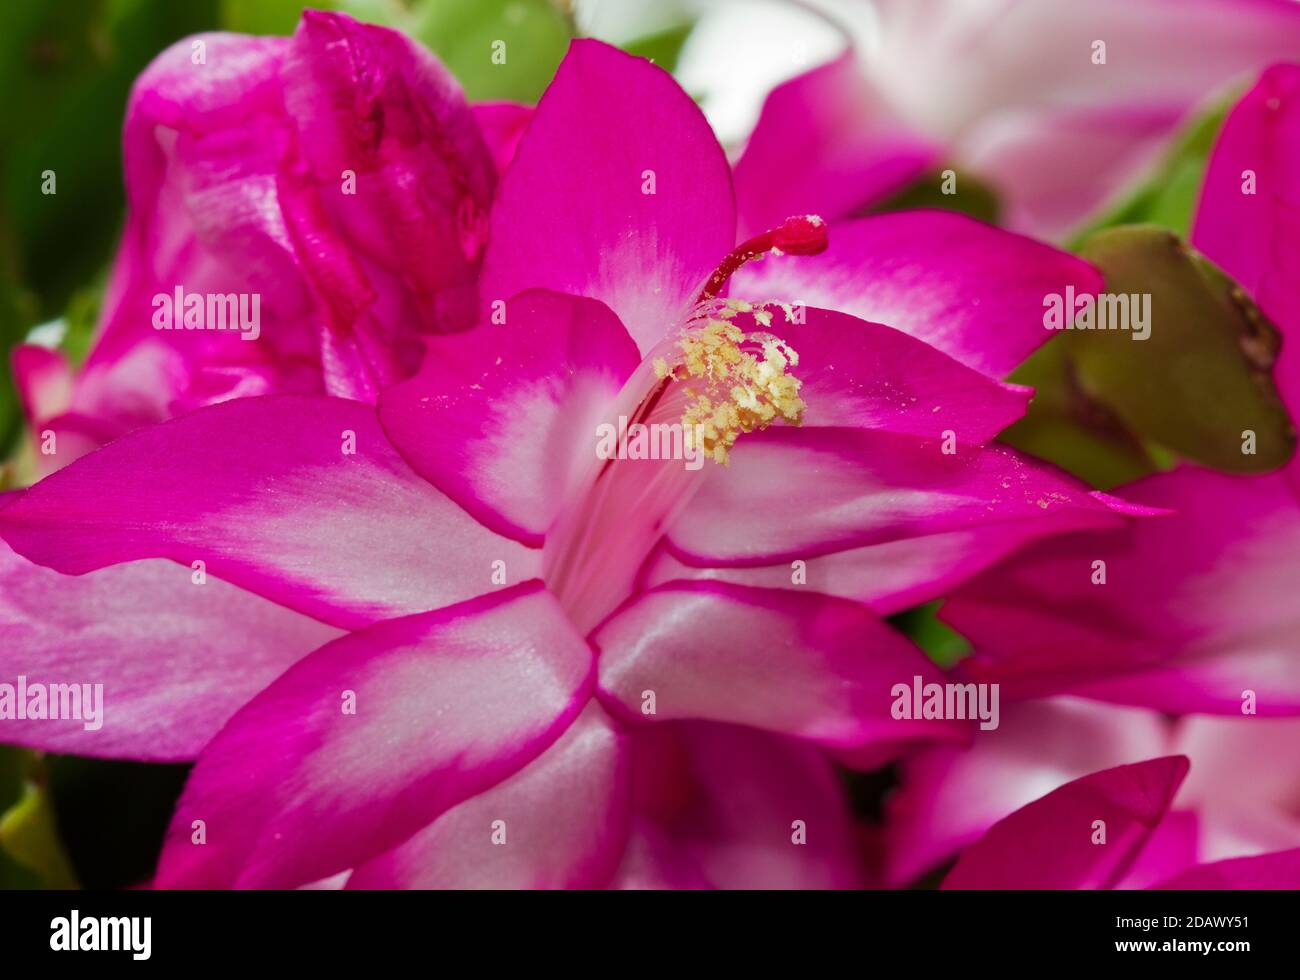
{"x": 709, "y": 384}
{"x": 733, "y": 381}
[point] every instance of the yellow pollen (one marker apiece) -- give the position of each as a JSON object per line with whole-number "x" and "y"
{"x": 735, "y": 382}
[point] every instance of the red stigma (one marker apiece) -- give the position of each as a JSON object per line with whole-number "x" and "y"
{"x": 803, "y": 234}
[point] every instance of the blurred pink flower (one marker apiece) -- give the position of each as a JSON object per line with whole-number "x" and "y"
{"x": 1198, "y": 610}
{"x": 337, "y": 175}
{"x": 1109, "y": 829}
{"x": 1241, "y": 799}
{"x": 1196, "y": 616}
{"x": 1008, "y": 91}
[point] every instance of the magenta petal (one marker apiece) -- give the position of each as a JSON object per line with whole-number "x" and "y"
{"x": 859, "y": 487}
{"x": 974, "y": 291}
{"x": 337, "y": 177}
{"x": 43, "y": 381}
{"x": 264, "y": 491}
{"x": 202, "y": 150}
{"x": 397, "y": 255}
{"x": 1195, "y": 609}
{"x": 867, "y": 375}
{"x": 563, "y": 823}
{"x": 825, "y": 144}
{"x": 1215, "y": 683}
{"x": 1279, "y": 871}
{"x": 731, "y": 807}
{"x": 652, "y": 861}
{"x": 445, "y": 705}
{"x": 1240, "y": 789}
{"x": 895, "y": 575}
{"x": 574, "y": 212}
{"x": 1170, "y": 849}
{"x": 948, "y": 797}
{"x": 44, "y": 384}
{"x": 1050, "y": 843}
{"x": 502, "y": 125}
{"x": 1256, "y": 236}
{"x": 175, "y": 659}
{"x": 503, "y": 418}
{"x": 800, "y": 664}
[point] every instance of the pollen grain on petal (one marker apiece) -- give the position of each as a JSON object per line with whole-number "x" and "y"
{"x": 734, "y": 381}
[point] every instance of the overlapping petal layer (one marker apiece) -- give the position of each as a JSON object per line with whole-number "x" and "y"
{"x": 618, "y": 191}
{"x": 503, "y": 418}
{"x": 973, "y": 291}
{"x": 1054, "y": 842}
{"x": 801, "y": 664}
{"x": 299, "y": 499}
{"x": 1187, "y": 612}
{"x": 373, "y": 736}
{"x": 560, "y": 822}
{"x": 800, "y": 493}
{"x": 176, "y": 659}
{"x": 334, "y": 184}
{"x": 724, "y": 806}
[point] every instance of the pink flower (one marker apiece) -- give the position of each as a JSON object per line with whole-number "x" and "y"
{"x": 334, "y": 182}
{"x": 1197, "y": 612}
{"x": 1012, "y": 93}
{"x": 1195, "y": 616}
{"x": 1238, "y": 801}
{"x": 574, "y": 655}
{"x": 1109, "y": 829}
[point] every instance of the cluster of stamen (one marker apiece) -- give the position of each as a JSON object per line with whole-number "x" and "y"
{"x": 734, "y": 382}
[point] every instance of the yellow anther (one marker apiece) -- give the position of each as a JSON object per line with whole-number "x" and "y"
{"x": 735, "y": 382}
